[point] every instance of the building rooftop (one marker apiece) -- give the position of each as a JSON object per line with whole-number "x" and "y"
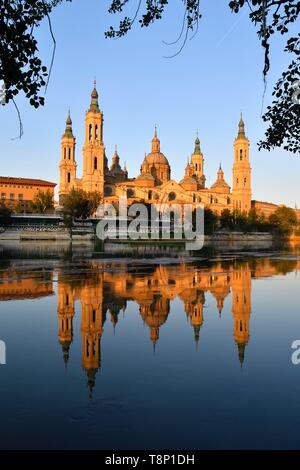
{"x": 27, "y": 181}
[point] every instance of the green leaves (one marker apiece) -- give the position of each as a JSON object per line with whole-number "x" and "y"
{"x": 20, "y": 67}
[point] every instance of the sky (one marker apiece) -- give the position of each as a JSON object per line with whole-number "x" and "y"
{"x": 217, "y": 75}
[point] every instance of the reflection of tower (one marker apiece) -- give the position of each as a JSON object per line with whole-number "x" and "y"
{"x": 194, "y": 309}
{"x": 155, "y": 314}
{"x": 65, "y": 311}
{"x": 241, "y": 308}
{"x": 91, "y": 329}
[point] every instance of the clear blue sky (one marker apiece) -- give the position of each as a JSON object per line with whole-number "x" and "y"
{"x": 218, "y": 74}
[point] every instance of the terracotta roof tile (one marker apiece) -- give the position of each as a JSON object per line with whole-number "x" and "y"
{"x": 26, "y": 181}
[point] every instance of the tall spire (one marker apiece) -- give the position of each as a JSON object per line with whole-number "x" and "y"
{"x": 68, "y": 130}
{"x": 197, "y": 150}
{"x": 220, "y": 173}
{"x": 155, "y": 142}
{"x": 94, "y": 106}
{"x": 241, "y": 133}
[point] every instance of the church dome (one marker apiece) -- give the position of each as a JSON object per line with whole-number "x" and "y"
{"x": 220, "y": 183}
{"x": 156, "y": 162}
{"x": 156, "y": 158}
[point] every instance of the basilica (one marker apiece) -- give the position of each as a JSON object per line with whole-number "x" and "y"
{"x": 154, "y": 183}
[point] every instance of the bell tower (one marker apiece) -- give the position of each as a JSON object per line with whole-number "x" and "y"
{"x": 67, "y": 166}
{"x": 197, "y": 162}
{"x": 241, "y": 171}
{"x": 93, "y": 149}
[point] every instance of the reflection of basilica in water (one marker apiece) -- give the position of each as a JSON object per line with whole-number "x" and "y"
{"x": 103, "y": 292}
{"x": 106, "y": 293}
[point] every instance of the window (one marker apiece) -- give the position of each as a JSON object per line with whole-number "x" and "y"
{"x": 20, "y": 197}
{"x": 3, "y": 195}
{"x": 149, "y": 194}
{"x": 95, "y": 163}
{"x": 90, "y": 132}
{"x": 67, "y": 299}
{"x": 245, "y": 181}
{"x": 130, "y": 192}
{"x": 12, "y": 196}
{"x": 108, "y": 191}
{"x": 237, "y": 181}
{"x": 96, "y": 132}
{"x": 196, "y": 166}
{"x": 94, "y": 315}
{"x": 241, "y": 154}
{"x": 69, "y": 154}
{"x": 65, "y": 153}
{"x": 172, "y": 196}
{"x": 69, "y": 177}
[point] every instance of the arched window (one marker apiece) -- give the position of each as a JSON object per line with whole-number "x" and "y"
{"x": 130, "y": 192}
{"x": 65, "y": 153}
{"x": 172, "y": 196}
{"x": 95, "y": 163}
{"x": 108, "y": 191}
{"x": 69, "y": 177}
{"x": 237, "y": 181}
{"x": 241, "y": 155}
{"x": 196, "y": 166}
{"x": 69, "y": 154}
{"x": 96, "y": 132}
{"x": 90, "y": 132}
{"x": 149, "y": 194}
{"x": 245, "y": 181}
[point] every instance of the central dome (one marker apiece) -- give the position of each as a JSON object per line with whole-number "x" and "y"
{"x": 156, "y": 162}
{"x": 156, "y": 157}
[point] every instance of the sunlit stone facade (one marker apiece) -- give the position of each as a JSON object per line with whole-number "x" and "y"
{"x": 154, "y": 183}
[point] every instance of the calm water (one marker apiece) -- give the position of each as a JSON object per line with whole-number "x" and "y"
{"x": 178, "y": 354}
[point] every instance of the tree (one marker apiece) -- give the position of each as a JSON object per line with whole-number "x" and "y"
{"x": 284, "y": 220}
{"x": 22, "y": 70}
{"x": 19, "y": 207}
{"x": 5, "y": 213}
{"x": 79, "y": 204}
{"x": 227, "y": 219}
{"x": 42, "y": 202}
{"x": 210, "y": 221}
{"x": 94, "y": 200}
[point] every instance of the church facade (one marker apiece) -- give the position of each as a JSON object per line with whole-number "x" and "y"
{"x": 154, "y": 183}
